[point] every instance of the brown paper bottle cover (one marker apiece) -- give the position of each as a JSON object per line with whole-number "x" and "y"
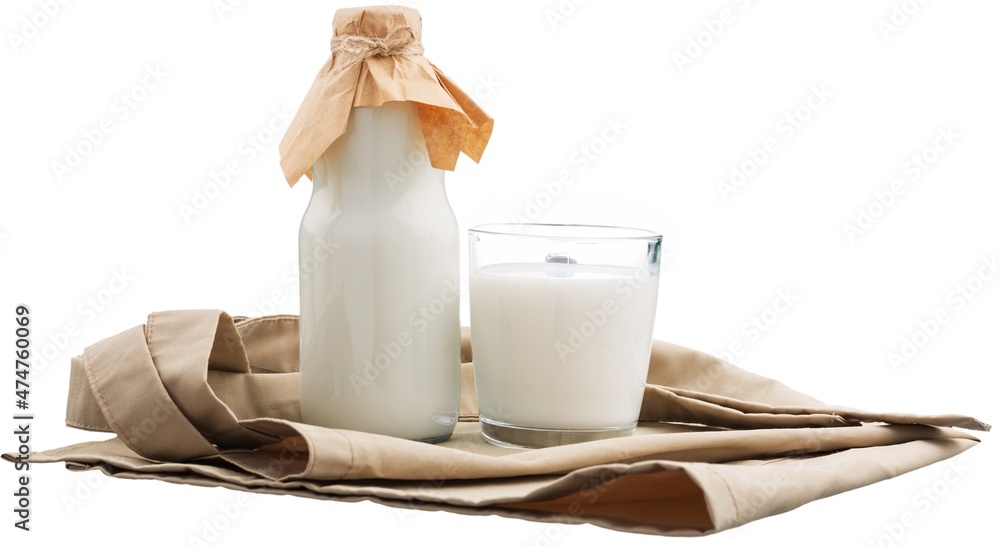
{"x": 377, "y": 58}
{"x": 197, "y": 397}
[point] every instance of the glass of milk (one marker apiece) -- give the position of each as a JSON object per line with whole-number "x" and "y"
{"x": 562, "y": 325}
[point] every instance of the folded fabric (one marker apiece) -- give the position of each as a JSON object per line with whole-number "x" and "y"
{"x": 198, "y": 397}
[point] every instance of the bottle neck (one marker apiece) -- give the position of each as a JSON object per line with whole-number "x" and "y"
{"x": 379, "y": 159}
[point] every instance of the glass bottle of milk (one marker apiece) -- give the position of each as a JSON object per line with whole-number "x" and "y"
{"x": 378, "y": 266}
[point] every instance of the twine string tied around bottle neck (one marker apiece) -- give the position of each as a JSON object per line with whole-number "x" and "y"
{"x": 400, "y": 41}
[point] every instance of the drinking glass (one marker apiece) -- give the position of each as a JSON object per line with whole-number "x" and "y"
{"x": 562, "y": 324}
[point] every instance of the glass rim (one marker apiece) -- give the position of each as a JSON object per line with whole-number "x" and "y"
{"x": 566, "y": 232}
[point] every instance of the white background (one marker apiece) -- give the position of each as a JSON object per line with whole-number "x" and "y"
{"x": 552, "y": 82}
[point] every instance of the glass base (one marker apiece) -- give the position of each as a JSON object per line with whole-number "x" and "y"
{"x": 519, "y": 437}
{"x": 437, "y": 440}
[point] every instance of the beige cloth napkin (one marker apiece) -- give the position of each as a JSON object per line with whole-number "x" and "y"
{"x": 198, "y": 397}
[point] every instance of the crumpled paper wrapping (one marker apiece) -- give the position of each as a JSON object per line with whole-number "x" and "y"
{"x": 451, "y": 121}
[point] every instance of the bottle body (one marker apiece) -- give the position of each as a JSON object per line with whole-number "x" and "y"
{"x": 378, "y": 270}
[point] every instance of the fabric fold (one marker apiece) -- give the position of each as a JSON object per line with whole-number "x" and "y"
{"x": 203, "y": 398}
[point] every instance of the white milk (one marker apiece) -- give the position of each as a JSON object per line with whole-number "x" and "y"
{"x": 378, "y": 258}
{"x": 561, "y": 346}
